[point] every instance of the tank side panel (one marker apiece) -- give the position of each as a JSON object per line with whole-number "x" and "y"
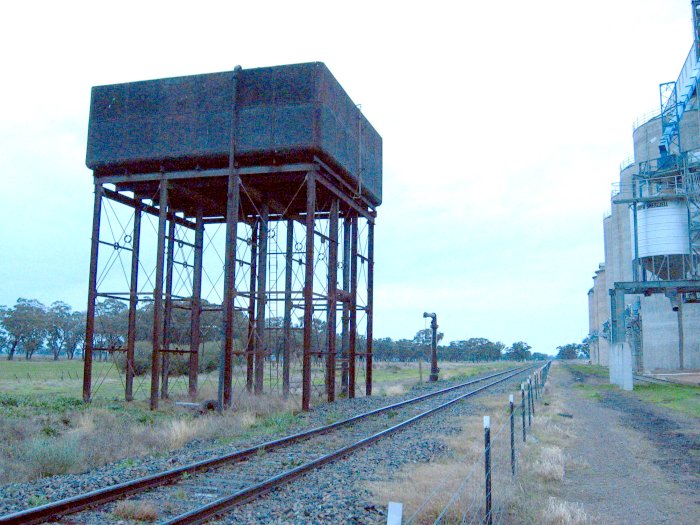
{"x": 295, "y": 112}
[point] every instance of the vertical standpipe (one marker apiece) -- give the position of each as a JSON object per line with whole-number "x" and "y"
{"x": 434, "y": 370}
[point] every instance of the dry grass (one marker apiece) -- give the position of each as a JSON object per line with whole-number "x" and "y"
{"x": 77, "y": 441}
{"x": 396, "y": 389}
{"x": 136, "y": 510}
{"x": 461, "y": 472}
{"x": 560, "y": 512}
{"x": 550, "y": 464}
{"x": 541, "y": 466}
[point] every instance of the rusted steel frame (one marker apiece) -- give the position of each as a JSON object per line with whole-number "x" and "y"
{"x": 226, "y": 365}
{"x": 332, "y": 301}
{"x": 250, "y": 345}
{"x": 196, "y": 313}
{"x": 168, "y": 315}
{"x": 92, "y": 294}
{"x": 204, "y": 513}
{"x": 346, "y": 299}
{"x": 288, "y": 270}
{"x": 260, "y": 348}
{"x": 75, "y": 504}
{"x": 256, "y": 195}
{"x": 133, "y": 305}
{"x": 349, "y": 188}
{"x": 202, "y": 174}
{"x": 370, "y": 306}
{"x": 233, "y": 196}
{"x": 348, "y": 201}
{"x": 115, "y": 245}
{"x": 308, "y": 289}
{"x": 352, "y": 345}
{"x": 193, "y": 195}
{"x": 151, "y": 210}
{"x": 158, "y": 295}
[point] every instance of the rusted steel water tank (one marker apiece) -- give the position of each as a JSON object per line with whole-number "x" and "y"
{"x": 287, "y": 113}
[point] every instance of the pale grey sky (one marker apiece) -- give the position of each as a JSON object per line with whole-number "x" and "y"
{"x": 504, "y": 124}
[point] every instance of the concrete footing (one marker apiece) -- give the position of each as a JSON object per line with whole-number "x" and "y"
{"x": 620, "y": 366}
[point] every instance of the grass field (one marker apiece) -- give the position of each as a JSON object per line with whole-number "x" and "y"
{"x": 47, "y": 429}
{"x": 65, "y": 378}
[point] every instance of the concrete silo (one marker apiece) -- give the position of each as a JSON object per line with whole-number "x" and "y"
{"x": 652, "y": 236}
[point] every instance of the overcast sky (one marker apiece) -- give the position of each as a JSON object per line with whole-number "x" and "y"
{"x": 504, "y": 124}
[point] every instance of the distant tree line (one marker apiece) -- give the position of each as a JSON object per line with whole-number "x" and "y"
{"x": 575, "y": 350}
{"x": 30, "y": 328}
{"x": 474, "y": 349}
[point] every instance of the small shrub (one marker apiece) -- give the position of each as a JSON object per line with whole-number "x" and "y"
{"x": 7, "y": 400}
{"x": 36, "y": 500}
{"x": 49, "y": 457}
{"x": 136, "y": 510}
{"x": 49, "y": 431}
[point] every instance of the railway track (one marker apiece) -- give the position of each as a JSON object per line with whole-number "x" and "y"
{"x": 199, "y": 491}
{"x": 656, "y": 380}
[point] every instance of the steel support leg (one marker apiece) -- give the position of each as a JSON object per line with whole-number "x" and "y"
{"x": 289, "y": 260}
{"x": 370, "y": 306}
{"x": 308, "y": 289}
{"x": 133, "y": 305}
{"x": 250, "y": 345}
{"x": 352, "y": 350}
{"x": 168, "y": 317}
{"x": 158, "y": 294}
{"x": 92, "y": 295}
{"x": 260, "y": 348}
{"x": 226, "y": 370}
{"x": 345, "y": 340}
{"x": 332, "y": 301}
{"x": 196, "y": 313}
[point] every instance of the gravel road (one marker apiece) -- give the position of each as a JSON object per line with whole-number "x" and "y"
{"x": 634, "y": 462}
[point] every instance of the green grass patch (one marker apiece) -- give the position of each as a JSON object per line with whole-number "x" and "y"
{"x": 592, "y": 370}
{"x": 276, "y": 423}
{"x": 594, "y": 391}
{"x": 683, "y": 398}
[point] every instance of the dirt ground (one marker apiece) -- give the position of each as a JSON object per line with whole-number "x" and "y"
{"x": 631, "y": 462}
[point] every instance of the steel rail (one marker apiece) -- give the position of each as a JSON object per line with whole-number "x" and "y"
{"x": 656, "y": 380}
{"x": 206, "y": 512}
{"x": 74, "y": 504}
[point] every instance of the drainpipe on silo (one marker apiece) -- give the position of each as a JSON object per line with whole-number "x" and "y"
{"x": 434, "y": 370}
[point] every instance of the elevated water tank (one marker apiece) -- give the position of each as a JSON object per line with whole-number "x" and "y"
{"x": 663, "y": 240}
{"x": 289, "y": 113}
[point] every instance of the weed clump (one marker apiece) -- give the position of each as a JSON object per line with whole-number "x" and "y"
{"x": 136, "y": 510}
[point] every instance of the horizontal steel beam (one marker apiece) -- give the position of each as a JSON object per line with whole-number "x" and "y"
{"x": 198, "y": 174}
{"x": 152, "y": 210}
{"x": 636, "y": 287}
